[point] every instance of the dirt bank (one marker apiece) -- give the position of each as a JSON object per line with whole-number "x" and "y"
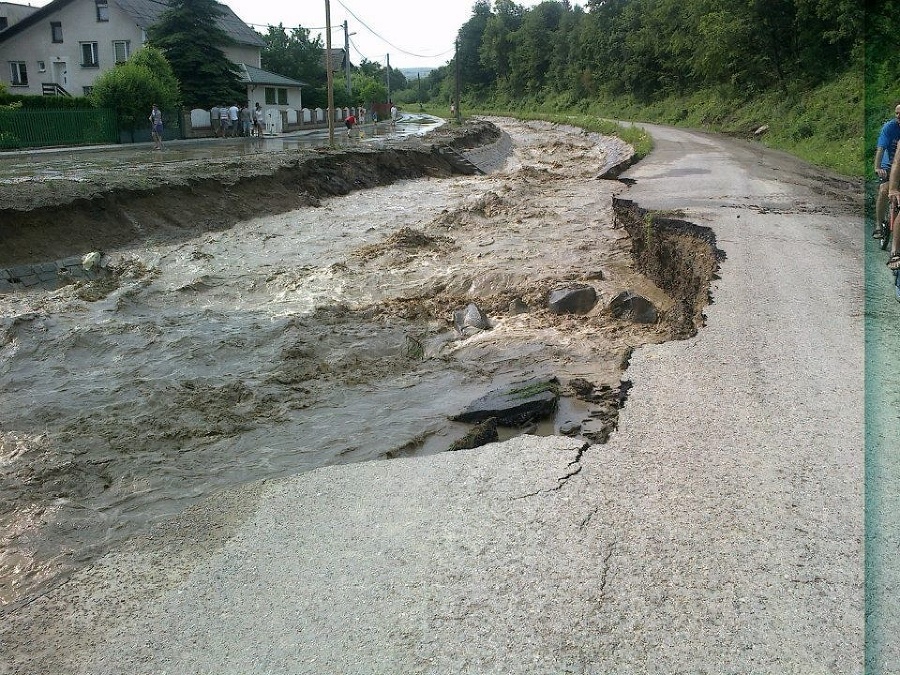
{"x": 43, "y": 221}
{"x": 679, "y": 257}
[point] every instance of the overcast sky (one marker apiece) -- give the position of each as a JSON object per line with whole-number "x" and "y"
{"x": 420, "y": 32}
{"x": 416, "y": 33}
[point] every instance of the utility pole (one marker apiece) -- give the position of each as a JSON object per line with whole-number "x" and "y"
{"x": 389, "y": 77}
{"x": 456, "y": 87}
{"x": 329, "y": 75}
{"x": 347, "y": 61}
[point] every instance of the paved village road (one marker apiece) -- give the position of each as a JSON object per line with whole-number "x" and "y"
{"x": 720, "y": 530}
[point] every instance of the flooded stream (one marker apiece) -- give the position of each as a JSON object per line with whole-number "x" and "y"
{"x": 319, "y": 336}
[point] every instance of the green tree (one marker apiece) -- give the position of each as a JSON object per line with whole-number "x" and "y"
{"x": 131, "y": 88}
{"x": 533, "y": 45}
{"x": 377, "y": 72}
{"x": 496, "y": 52}
{"x": 469, "y": 40}
{"x": 293, "y": 54}
{"x": 368, "y": 90}
{"x": 192, "y": 41}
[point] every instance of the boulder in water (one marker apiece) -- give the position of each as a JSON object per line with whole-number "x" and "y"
{"x": 633, "y": 307}
{"x": 470, "y": 317}
{"x": 572, "y": 300}
{"x": 516, "y": 405}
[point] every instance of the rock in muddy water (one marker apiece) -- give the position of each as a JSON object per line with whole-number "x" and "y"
{"x": 569, "y": 428}
{"x": 470, "y": 317}
{"x": 515, "y": 405}
{"x": 481, "y": 434}
{"x": 572, "y": 300}
{"x": 633, "y": 307}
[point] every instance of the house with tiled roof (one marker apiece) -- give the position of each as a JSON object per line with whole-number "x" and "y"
{"x": 338, "y": 59}
{"x": 270, "y": 90}
{"x": 63, "y": 47}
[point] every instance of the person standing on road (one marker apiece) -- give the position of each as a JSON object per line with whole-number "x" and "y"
{"x": 393, "y": 115}
{"x": 884, "y": 155}
{"x": 258, "y": 120}
{"x": 349, "y": 122}
{"x": 214, "y": 119}
{"x": 245, "y": 120}
{"x": 233, "y": 116}
{"x": 223, "y": 119}
{"x": 156, "y": 127}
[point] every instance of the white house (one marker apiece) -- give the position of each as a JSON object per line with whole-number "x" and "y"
{"x": 270, "y": 90}
{"x": 11, "y": 13}
{"x": 64, "y": 46}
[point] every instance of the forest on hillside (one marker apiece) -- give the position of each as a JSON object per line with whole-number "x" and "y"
{"x": 654, "y": 48}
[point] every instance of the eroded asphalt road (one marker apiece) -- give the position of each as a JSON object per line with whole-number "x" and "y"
{"x": 719, "y": 530}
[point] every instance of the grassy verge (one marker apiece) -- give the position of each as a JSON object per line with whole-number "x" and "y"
{"x": 823, "y": 125}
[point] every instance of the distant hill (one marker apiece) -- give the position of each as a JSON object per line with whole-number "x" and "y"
{"x": 410, "y": 73}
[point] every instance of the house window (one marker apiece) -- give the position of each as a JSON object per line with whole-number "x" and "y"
{"x": 42, "y": 67}
{"x": 18, "y": 74}
{"x": 122, "y": 50}
{"x": 276, "y": 96}
{"x": 89, "y": 55}
{"x": 56, "y": 31}
{"x": 102, "y": 10}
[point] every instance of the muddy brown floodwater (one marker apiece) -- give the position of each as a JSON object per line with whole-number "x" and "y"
{"x": 222, "y": 348}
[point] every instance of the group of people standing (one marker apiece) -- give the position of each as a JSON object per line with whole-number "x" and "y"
{"x": 237, "y": 121}
{"x": 225, "y": 120}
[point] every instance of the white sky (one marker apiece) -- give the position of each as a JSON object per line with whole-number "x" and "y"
{"x": 420, "y": 32}
{"x": 426, "y": 28}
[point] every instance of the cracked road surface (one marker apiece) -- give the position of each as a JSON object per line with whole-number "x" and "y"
{"x": 719, "y": 530}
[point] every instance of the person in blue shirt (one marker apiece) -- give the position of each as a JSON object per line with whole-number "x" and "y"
{"x": 884, "y": 155}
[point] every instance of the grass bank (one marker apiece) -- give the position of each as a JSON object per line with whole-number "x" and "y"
{"x": 823, "y": 125}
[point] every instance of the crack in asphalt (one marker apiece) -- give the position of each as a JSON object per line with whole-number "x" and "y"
{"x": 562, "y": 480}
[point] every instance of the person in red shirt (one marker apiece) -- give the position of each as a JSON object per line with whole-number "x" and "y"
{"x": 349, "y": 122}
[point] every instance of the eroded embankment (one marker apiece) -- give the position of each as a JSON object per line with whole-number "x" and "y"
{"x": 280, "y": 346}
{"x": 678, "y": 256}
{"x": 182, "y": 206}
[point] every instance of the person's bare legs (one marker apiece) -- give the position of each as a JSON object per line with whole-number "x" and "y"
{"x": 881, "y": 207}
{"x": 895, "y": 238}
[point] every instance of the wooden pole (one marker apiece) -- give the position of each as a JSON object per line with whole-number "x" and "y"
{"x": 329, "y": 74}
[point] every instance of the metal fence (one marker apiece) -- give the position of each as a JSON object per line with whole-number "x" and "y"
{"x": 42, "y": 128}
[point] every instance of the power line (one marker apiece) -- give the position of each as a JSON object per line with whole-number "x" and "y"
{"x": 388, "y": 42}
{"x": 353, "y": 44}
{"x": 272, "y": 25}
